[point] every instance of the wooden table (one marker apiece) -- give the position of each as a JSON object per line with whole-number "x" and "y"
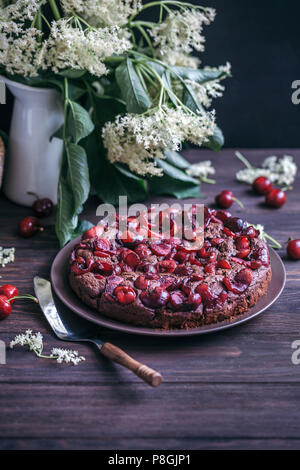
{"x": 235, "y": 389}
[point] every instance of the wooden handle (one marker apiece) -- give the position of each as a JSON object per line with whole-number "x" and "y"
{"x": 115, "y": 354}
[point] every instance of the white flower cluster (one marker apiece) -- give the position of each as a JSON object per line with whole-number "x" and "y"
{"x": 103, "y": 12}
{"x": 21, "y": 10}
{"x": 35, "y": 343}
{"x": 69, "y": 47}
{"x": 201, "y": 170}
{"x": 66, "y": 355}
{"x": 33, "y": 340}
{"x": 7, "y": 255}
{"x": 282, "y": 171}
{"x": 180, "y": 32}
{"x": 207, "y": 91}
{"x": 136, "y": 139}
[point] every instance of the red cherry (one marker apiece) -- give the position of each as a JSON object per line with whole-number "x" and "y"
{"x": 181, "y": 256}
{"x": 223, "y": 215}
{"x": 262, "y": 185}
{"x": 167, "y": 266}
{"x": 42, "y": 207}
{"x": 194, "y": 300}
{"x": 177, "y": 300}
{"x": 5, "y": 307}
{"x": 293, "y": 249}
{"x": 9, "y": 291}
{"x": 276, "y": 198}
{"x": 226, "y": 198}
{"x": 29, "y": 227}
{"x": 141, "y": 283}
{"x": 155, "y": 299}
{"x": 132, "y": 259}
{"x": 223, "y": 264}
{"x": 160, "y": 249}
{"x": 143, "y": 251}
{"x": 217, "y": 241}
{"x": 125, "y": 294}
{"x": 93, "y": 232}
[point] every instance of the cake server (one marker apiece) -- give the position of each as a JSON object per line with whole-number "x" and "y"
{"x": 76, "y": 329}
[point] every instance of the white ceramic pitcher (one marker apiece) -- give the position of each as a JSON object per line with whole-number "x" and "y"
{"x": 33, "y": 161}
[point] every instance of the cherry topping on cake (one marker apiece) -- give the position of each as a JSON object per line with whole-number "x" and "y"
{"x": 223, "y": 215}
{"x": 93, "y": 232}
{"x": 241, "y": 281}
{"x": 194, "y": 300}
{"x": 223, "y": 264}
{"x": 155, "y": 299}
{"x": 217, "y": 241}
{"x": 147, "y": 268}
{"x": 141, "y": 283}
{"x": 132, "y": 259}
{"x": 262, "y": 185}
{"x": 183, "y": 270}
{"x": 181, "y": 256}
{"x": 161, "y": 249}
{"x": 142, "y": 251}
{"x": 236, "y": 225}
{"x": 82, "y": 266}
{"x": 177, "y": 300}
{"x": 167, "y": 266}
{"x": 125, "y": 294}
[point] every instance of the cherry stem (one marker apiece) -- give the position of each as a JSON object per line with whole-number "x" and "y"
{"x": 24, "y": 297}
{"x": 238, "y": 202}
{"x": 277, "y": 245}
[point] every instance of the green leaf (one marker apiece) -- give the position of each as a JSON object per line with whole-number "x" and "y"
{"x": 66, "y": 218}
{"x": 198, "y": 75}
{"x": 216, "y": 141}
{"x": 169, "y": 186}
{"x": 175, "y": 159}
{"x": 80, "y": 124}
{"x": 78, "y": 174}
{"x": 132, "y": 89}
{"x": 83, "y": 226}
{"x": 174, "y": 182}
{"x": 175, "y": 173}
{"x": 190, "y": 99}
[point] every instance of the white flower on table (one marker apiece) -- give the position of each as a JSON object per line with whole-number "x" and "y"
{"x": 35, "y": 343}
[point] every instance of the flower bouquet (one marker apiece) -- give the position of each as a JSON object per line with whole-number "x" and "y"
{"x": 133, "y": 93}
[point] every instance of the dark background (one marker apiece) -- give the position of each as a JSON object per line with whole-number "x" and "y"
{"x": 261, "y": 39}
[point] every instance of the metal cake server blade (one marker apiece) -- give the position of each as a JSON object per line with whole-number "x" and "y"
{"x": 80, "y": 330}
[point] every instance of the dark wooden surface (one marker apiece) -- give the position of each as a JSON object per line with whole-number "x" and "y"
{"x": 232, "y": 390}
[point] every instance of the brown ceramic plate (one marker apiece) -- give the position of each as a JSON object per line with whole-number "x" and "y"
{"x": 60, "y": 284}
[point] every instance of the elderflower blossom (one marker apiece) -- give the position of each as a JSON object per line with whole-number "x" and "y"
{"x": 69, "y": 47}
{"x": 7, "y": 255}
{"x": 66, "y": 355}
{"x": 137, "y": 139}
{"x": 181, "y": 31}
{"x": 36, "y": 344}
{"x": 201, "y": 170}
{"x": 18, "y": 54}
{"x": 103, "y": 12}
{"x": 33, "y": 340}
{"x": 179, "y": 59}
{"x": 21, "y": 10}
{"x": 282, "y": 171}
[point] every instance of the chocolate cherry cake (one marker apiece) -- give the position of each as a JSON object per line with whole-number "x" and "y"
{"x": 163, "y": 283}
